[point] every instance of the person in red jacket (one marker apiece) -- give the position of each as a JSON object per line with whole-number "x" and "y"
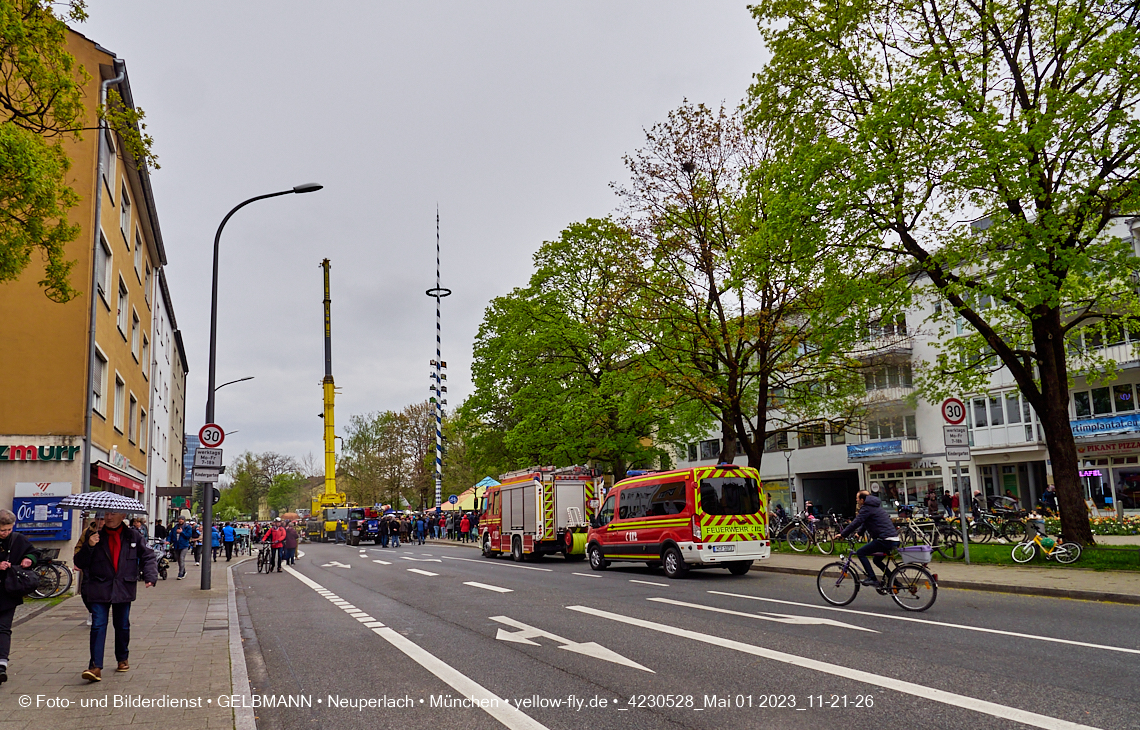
{"x": 275, "y": 536}
{"x": 464, "y": 528}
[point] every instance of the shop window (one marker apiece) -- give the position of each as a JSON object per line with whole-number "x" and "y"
{"x": 1101, "y": 401}
{"x": 1122, "y": 397}
{"x": 710, "y": 449}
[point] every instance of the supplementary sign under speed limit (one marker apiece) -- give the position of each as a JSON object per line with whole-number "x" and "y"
{"x": 955, "y": 436}
{"x": 957, "y": 453}
{"x": 205, "y": 475}
{"x": 208, "y": 458}
{"x": 211, "y": 435}
{"x": 954, "y": 411}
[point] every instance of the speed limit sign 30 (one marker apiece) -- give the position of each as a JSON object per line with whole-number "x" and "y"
{"x": 211, "y": 436}
{"x": 954, "y": 411}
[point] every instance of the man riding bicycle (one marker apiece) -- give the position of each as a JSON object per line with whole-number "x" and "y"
{"x": 884, "y": 537}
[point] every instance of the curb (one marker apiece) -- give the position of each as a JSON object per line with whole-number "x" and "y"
{"x": 29, "y": 615}
{"x": 239, "y": 674}
{"x": 1101, "y": 596}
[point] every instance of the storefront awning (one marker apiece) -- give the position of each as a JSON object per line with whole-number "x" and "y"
{"x": 104, "y": 472}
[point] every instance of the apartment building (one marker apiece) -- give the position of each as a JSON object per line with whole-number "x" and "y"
{"x": 76, "y": 409}
{"x": 897, "y": 450}
{"x": 168, "y": 403}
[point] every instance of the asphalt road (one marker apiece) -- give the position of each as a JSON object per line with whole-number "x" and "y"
{"x": 406, "y": 626}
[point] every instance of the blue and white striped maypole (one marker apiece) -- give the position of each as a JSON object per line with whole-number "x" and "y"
{"x": 438, "y": 292}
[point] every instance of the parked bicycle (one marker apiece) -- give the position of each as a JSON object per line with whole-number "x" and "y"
{"x": 907, "y": 581}
{"x": 930, "y": 530}
{"x": 802, "y": 533}
{"x": 55, "y": 578}
{"x": 1050, "y": 547}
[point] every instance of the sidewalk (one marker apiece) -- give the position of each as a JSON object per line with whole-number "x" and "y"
{"x": 1089, "y": 585}
{"x": 180, "y": 649}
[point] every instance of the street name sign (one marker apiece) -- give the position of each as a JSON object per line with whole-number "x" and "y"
{"x": 208, "y": 458}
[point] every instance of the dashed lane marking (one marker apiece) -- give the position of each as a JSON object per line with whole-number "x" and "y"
{"x": 485, "y": 586}
{"x": 587, "y": 575}
{"x": 500, "y": 565}
{"x": 422, "y": 572}
{"x": 649, "y": 583}
{"x": 486, "y": 700}
{"x": 382, "y": 562}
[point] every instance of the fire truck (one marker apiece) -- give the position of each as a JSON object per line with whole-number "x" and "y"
{"x": 540, "y": 511}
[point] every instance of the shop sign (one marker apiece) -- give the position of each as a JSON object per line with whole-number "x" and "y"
{"x": 879, "y": 448}
{"x": 106, "y": 475}
{"x": 1091, "y": 473}
{"x": 43, "y": 489}
{"x": 118, "y": 460}
{"x": 1102, "y": 426}
{"x": 38, "y": 514}
{"x": 38, "y": 453}
{"x": 1117, "y": 448}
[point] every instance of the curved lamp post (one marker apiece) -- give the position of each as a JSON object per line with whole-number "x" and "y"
{"x": 207, "y": 504}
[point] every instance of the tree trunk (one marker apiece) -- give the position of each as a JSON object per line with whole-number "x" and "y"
{"x": 1050, "y": 345}
{"x": 728, "y": 440}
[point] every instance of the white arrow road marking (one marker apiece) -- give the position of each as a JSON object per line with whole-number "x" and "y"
{"x": 860, "y": 675}
{"x": 588, "y": 648}
{"x": 782, "y": 618}
{"x": 489, "y": 587}
{"x": 485, "y": 561}
{"x": 934, "y": 623}
{"x": 382, "y": 562}
{"x": 486, "y": 700}
{"x": 421, "y": 572}
{"x": 335, "y": 564}
{"x": 300, "y": 554}
{"x": 421, "y": 560}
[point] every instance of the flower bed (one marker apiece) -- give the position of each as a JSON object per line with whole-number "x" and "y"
{"x": 1101, "y": 526}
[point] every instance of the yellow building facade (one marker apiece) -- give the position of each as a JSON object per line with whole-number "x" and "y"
{"x": 84, "y": 366}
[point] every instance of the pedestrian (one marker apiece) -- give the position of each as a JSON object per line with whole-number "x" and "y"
{"x": 181, "y": 535}
{"x": 113, "y": 560}
{"x": 229, "y": 534}
{"x": 159, "y": 530}
{"x": 1014, "y": 503}
{"x": 196, "y": 543}
{"x": 291, "y": 540}
{"x": 95, "y": 526}
{"x": 947, "y": 504}
{"x": 339, "y": 532}
{"x": 442, "y": 527}
{"x": 955, "y": 503}
{"x": 275, "y": 536}
{"x": 402, "y": 536}
{"x": 464, "y": 528}
{"x": 394, "y": 531}
{"x": 14, "y": 548}
{"x": 384, "y": 531}
{"x": 215, "y": 541}
{"x": 931, "y": 502}
{"x": 139, "y": 524}
{"x": 1049, "y": 500}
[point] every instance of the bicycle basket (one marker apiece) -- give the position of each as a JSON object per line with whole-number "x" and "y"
{"x": 49, "y": 553}
{"x": 916, "y": 554}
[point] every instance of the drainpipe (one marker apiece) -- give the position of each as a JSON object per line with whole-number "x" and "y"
{"x": 121, "y": 68}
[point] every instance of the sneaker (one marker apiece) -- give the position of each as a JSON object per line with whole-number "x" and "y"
{"x": 94, "y": 674}
{"x": 88, "y": 622}
{"x": 3, "y": 675}
{"x": 179, "y": 577}
{"x": 196, "y": 563}
{"x": 870, "y": 581}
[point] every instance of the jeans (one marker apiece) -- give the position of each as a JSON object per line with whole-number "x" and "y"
{"x": 100, "y": 612}
{"x": 287, "y": 554}
{"x": 181, "y": 556}
{"x": 875, "y": 546}
{"x": 275, "y": 557}
{"x": 229, "y": 551}
{"x": 395, "y": 540}
{"x": 6, "y": 632}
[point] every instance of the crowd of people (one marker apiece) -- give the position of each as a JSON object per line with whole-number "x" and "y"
{"x": 418, "y": 528}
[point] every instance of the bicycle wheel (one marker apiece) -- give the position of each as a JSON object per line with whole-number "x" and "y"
{"x": 1023, "y": 552}
{"x": 65, "y": 579}
{"x": 262, "y": 561}
{"x": 49, "y": 580}
{"x": 838, "y": 583}
{"x": 825, "y": 541}
{"x": 1015, "y": 531}
{"x": 799, "y": 539}
{"x": 1067, "y": 552}
{"x": 949, "y": 544}
{"x": 980, "y": 532}
{"x": 913, "y": 587}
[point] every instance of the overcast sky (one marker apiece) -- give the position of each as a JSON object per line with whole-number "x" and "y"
{"x": 511, "y": 116}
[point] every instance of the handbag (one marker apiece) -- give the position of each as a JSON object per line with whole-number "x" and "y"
{"x": 20, "y": 581}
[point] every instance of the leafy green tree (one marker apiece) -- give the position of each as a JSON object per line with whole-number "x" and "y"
{"x": 286, "y": 492}
{"x": 1020, "y": 115}
{"x": 377, "y": 461}
{"x": 552, "y": 366}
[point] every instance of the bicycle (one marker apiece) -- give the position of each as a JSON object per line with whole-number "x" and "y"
{"x": 907, "y": 581}
{"x": 940, "y": 537}
{"x": 264, "y": 558}
{"x": 1051, "y": 548}
{"x": 802, "y": 534}
{"x": 50, "y": 580}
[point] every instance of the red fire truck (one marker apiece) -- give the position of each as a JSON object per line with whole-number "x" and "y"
{"x": 540, "y": 511}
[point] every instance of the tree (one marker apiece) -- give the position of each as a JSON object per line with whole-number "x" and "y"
{"x": 553, "y": 366}
{"x": 419, "y": 419}
{"x": 255, "y": 476}
{"x": 286, "y": 492}
{"x": 377, "y": 459}
{"x": 737, "y": 299}
{"x": 1017, "y": 114}
{"x": 41, "y": 106}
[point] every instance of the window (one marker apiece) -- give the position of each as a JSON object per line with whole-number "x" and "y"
{"x": 606, "y": 513}
{"x": 893, "y": 427}
{"x": 139, "y": 259}
{"x": 146, "y": 284}
{"x": 1081, "y": 405}
{"x": 980, "y": 419}
{"x": 99, "y": 384}
{"x": 145, "y": 356}
{"x": 103, "y": 268}
{"x": 142, "y": 429}
{"x": 135, "y": 335}
{"x": 692, "y": 452}
{"x": 730, "y": 496}
{"x": 838, "y": 433}
{"x": 120, "y": 402}
{"x": 710, "y": 449}
{"x": 813, "y": 435}
{"x": 1122, "y": 398}
{"x": 1098, "y": 402}
{"x": 996, "y": 416}
{"x": 667, "y": 499}
{"x": 124, "y": 313}
{"x": 777, "y": 442}
{"x": 132, "y": 421}
{"x": 107, "y": 162}
{"x": 889, "y": 376}
{"x": 1012, "y": 411}
{"x": 125, "y": 216}
{"x": 1102, "y": 402}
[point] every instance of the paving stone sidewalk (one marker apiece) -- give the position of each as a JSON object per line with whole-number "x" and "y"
{"x": 180, "y": 649}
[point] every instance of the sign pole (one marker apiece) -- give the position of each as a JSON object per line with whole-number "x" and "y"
{"x": 962, "y": 509}
{"x": 956, "y": 439}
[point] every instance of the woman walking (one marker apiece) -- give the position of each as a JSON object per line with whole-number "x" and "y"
{"x": 14, "y": 549}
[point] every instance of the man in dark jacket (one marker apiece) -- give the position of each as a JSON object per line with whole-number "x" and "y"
{"x": 873, "y": 519}
{"x": 113, "y": 560}
{"x": 15, "y": 549}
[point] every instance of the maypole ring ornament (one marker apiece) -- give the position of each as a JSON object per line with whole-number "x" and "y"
{"x": 438, "y": 292}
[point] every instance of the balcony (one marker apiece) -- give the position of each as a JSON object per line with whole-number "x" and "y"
{"x": 878, "y": 450}
{"x": 894, "y": 347}
{"x": 882, "y": 396}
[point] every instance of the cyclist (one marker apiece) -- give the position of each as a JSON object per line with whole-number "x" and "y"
{"x": 884, "y": 537}
{"x": 275, "y": 536}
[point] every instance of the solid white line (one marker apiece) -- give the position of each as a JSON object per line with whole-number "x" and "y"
{"x": 382, "y": 562}
{"x": 489, "y": 587}
{"x": 493, "y": 705}
{"x": 501, "y": 565}
{"x": 587, "y": 575}
{"x": 422, "y": 572}
{"x": 649, "y": 583}
{"x": 935, "y": 623}
{"x": 858, "y": 675}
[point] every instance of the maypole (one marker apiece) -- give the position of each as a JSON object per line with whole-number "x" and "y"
{"x": 438, "y": 376}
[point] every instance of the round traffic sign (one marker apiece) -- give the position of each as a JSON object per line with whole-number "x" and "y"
{"x": 453, "y": 499}
{"x": 954, "y": 411}
{"x": 211, "y": 436}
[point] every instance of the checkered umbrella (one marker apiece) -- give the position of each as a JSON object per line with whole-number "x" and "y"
{"x": 107, "y": 501}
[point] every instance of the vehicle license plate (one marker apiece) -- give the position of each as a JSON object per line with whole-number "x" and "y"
{"x": 724, "y": 548}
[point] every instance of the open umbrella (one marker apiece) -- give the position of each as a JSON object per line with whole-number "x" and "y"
{"x": 107, "y": 501}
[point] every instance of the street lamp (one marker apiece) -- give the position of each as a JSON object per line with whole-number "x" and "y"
{"x": 239, "y": 380}
{"x": 791, "y": 489}
{"x": 207, "y": 504}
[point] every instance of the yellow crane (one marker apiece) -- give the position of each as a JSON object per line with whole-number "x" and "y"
{"x": 326, "y": 507}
